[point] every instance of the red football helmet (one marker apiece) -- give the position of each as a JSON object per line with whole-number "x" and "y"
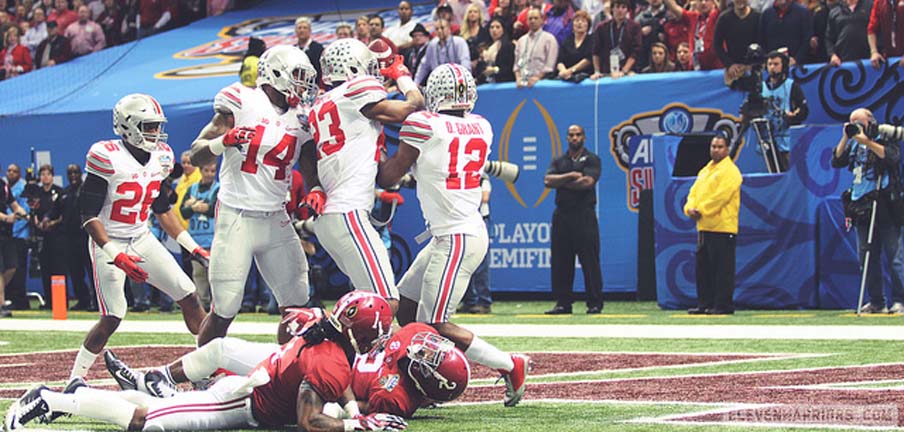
{"x": 439, "y": 370}
{"x": 362, "y": 317}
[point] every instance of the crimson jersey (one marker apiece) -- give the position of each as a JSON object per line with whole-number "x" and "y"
{"x": 380, "y": 380}
{"x": 131, "y": 186}
{"x": 323, "y": 366}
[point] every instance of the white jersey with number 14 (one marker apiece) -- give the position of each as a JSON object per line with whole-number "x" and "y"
{"x": 453, "y": 151}
{"x": 257, "y": 175}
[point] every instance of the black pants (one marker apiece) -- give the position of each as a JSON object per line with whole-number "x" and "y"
{"x": 78, "y": 265}
{"x": 716, "y": 270}
{"x": 15, "y": 289}
{"x": 576, "y": 232}
{"x": 53, "y": 262}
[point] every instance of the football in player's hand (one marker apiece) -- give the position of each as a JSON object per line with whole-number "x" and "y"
{"x": 384, "y": 52}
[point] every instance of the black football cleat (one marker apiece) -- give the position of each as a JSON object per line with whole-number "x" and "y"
{"x": 29, "y": 407}
{"x": 122, "y": 373}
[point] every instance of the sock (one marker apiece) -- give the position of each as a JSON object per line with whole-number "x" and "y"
{"x": 83, "y": 362}
{"x": 483, "y": 353}
{"x": 61, "y": 402}
{"x": 96, "y": 404}
{"x": 136, "y": 397}
{"x": 202, "y": 362}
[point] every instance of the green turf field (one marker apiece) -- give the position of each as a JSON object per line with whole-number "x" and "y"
{"x": 565, "y": 414}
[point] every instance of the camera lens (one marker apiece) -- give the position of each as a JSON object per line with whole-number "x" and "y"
{"x": 851, "y": 129}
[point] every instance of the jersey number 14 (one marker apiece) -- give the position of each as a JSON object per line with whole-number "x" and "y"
{"x": 272, "y": 158}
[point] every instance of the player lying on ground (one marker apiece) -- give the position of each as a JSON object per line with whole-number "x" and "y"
{"x": 288, "y": 388}
{"x": 447, "y": 146}
{"x": 403, "y": 372}
{"x": 123, "y": 184}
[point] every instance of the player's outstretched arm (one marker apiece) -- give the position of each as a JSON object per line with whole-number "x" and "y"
{"x": 395, "y": 167}
{"x": 307, "y": 163}
{"x": 310, "y": 412}
{"x": 209, "y": 143}
{"x": 394, "y": 111}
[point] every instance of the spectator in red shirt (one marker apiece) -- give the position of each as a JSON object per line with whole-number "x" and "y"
{"x": 62, "y": 15}
{"x": 111, "y": 21}
{"x": 15, "y": 57}
{"x": 85, "y": 36}
{"x": 886, "y": 22}
{"x": 697, "y": 27}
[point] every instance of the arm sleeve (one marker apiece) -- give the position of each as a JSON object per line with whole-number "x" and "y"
{"x": 465, "y": 56}
{"x": 719, "y": 41}
{"x": 873, "y": 26}
{"x": 845, "y": 158}
{"x": 416, "y": 131}
{"x": 365, "y": 90}
{"x": 330, "y": 377}
{"x": 162, "y": 203}
{"x": 228, "y": 99}
{"x": 798, "y": 100}
{"x": 93, "y": 195}
{"x": 98, "y": 163}
{"x": 593, "y": 168}
{"x": 691, "y": 199}
{"x": 212, "y": 211}
{"x": 830, "y": 35}
{"x": 636, "y": 40}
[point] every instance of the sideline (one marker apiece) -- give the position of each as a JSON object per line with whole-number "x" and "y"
{"x": 771, "y": 332}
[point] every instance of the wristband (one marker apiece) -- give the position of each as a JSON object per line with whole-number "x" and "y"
{"x": 217, "y": 147}
{"x": 111, "y": 250}
{"x": 186, "y": 241}
{"x": 351, "y": 409}
{"x": 85, "y": 223}
{"x": 350, "y": 425}
{"x": 406, "y": 84}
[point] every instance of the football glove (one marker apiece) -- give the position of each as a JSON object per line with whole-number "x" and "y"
{"x": 395, "y": 69}
{"x": 315, "y": 199}
{"x": 238, "y": 135}
{"x": 380, "y": 422}
{"x": 202, "y": 256}
{"x": 129, "y": 264}
{"x": 388, "y": 197}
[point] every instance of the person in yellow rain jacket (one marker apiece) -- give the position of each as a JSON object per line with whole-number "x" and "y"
{"x": 714, "y": 201}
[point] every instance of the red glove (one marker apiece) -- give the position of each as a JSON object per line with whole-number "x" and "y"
{"x": 315, "y": 199}
{"x": 129, "y": 264}
{"x": 380, "y": 422}
{"x": 395, "y": 68}
{"x": 388, "y": 197}
{"x": 202, "y": 256}
{"x": 238, "y": 136}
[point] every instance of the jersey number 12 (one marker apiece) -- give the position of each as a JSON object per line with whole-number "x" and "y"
{"x": 469, "y": 177}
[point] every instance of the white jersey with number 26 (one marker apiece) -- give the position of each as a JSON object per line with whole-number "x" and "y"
{"x": 131, "y": 186}
{"x": 258, "y": 174}
{"x": 453, "y": 151}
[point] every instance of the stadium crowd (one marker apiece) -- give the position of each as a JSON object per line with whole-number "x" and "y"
{"x": 42, "y": 33}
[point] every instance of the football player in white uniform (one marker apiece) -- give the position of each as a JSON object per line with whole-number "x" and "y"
{"x": 348, "y": 132}
{"x": 447, "y": 147}
{"x": 260, "y": 135}
{"x": 122, "y": 186}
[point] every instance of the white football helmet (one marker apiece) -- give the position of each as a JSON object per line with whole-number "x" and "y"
{"x": 289, "y": 71}
{"x": 139, "y": 120}
{"x": 346, "y": 59}
{"x": 451, "y": 87}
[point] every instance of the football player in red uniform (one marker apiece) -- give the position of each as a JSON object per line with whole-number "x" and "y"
{"x": 122, "y": 187}
{"x": 288, "y": 388}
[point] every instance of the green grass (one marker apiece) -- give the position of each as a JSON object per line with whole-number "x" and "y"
{"x": 531, "y": 312}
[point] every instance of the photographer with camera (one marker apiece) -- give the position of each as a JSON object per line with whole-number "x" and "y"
{"x": 872, "y": 203}
{"x": 785, "y": 104}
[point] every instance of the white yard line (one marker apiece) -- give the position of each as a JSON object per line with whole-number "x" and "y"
{"x": 771, "y": 332}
